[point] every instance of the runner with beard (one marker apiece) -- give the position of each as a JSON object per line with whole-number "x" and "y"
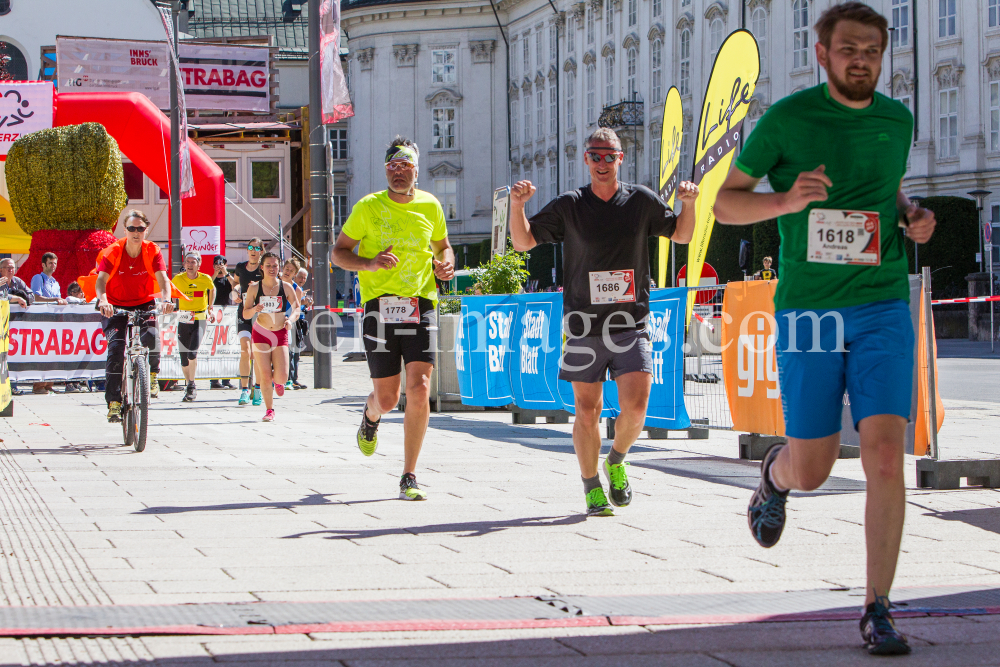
{"x": 835, "y": 156}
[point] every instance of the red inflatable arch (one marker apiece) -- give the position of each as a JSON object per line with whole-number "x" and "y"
{"x": 143, "y": 134}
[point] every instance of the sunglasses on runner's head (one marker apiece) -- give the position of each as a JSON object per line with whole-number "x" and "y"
{"x": 607, "y": 157}
{"x": 254, "y": 247}
{"x": 130, "y": 228}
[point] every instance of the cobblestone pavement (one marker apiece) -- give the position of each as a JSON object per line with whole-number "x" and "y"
{"x": 223, "y": 508}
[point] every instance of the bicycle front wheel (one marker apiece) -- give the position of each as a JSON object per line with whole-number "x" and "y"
{"x": 140, "y": 402}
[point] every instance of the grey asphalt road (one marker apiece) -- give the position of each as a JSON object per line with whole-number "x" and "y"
{"x": 969, "y": 371}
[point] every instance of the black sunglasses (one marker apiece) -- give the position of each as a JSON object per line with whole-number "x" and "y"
{"x": 135, "y": 229}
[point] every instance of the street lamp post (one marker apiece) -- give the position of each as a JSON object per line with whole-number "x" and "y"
{"x": 986, "y": 241}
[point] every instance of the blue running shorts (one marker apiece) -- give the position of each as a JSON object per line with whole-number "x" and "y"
{"x": 874, "y": 365}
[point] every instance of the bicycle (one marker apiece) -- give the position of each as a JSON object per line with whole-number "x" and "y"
{"x": 135, "y": 380}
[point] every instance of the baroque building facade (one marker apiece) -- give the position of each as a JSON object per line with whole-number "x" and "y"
{"x": 495, "y": 93}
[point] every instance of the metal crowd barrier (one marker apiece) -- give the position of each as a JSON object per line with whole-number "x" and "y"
{"x": 704, "y": 388}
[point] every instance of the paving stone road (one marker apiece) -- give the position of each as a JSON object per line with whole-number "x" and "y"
{"x": 223, "y": 508}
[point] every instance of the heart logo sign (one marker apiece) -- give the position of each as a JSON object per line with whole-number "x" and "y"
{"x": 201, "y": 239}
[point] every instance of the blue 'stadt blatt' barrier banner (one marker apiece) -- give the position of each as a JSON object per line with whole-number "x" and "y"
{"x": 507, "y": 350}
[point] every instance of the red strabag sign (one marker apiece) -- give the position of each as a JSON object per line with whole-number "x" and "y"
{"x": 56, "y": 343}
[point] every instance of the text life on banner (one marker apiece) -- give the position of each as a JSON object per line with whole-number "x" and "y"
{"x": 671, "y": 137}
{"x": 727, "y": 99}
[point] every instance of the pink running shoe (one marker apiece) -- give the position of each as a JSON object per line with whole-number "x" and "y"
{"x": 279, "y": 389}
{"x": 268, "y": 416}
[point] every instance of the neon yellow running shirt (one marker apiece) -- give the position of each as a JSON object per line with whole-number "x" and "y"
{"x": 378, "y": 222}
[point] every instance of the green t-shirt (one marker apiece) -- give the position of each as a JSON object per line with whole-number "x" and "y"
{"x": 865, "y": 153}
{"x": 378, "y": 222}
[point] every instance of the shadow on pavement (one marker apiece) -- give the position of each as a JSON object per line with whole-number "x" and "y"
{"x": 738, "y": 473}
{"x": 987, "y": 518}
{"x": 310, "y": 500}
{"x": 471, "y": 528}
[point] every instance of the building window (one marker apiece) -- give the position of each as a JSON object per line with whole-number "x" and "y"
{"x": 685, "y": 77}
{"x": 265, "y": 176}
{"x": 609, "y": 16}
{"x": 514, "y": 129}
{"x": 657, "y": 56}
{"x": 994, "y": 115}
{"x": 526, "y": 49}
{"x": 715, "y": 31}
{"x": 553, "y": 114}
{"x": 901, "y": 23}
{"x": 339, "y": 210}
{"x": 17, "y": 66}
{"x": 948, "y": 123}
{"x": 553, "y": 180}
{"x": 338, "y": 138}
{"x": 527, "y": 177}
{"x": 633, "y": 11}
{"x": 570, "y": 99}
{"x": 228, "y": 168}
{"x": 135, "y": 184}
{"x": 526, "y": 105}
{"x": 590, "y": 25}
{"x": 655, "y": 157}
{"x": 443, "y": 66}
{"x": 685, "y": 3}
{"x": 905, "y": 101}
{"x": 553, "y": 42}
{"x": 513, "y": 59}
{"x": 443, "y": 128}
{"x": 630, "y": 67}
{"x": 541, "y": 190}
{"x": 758, "y": 26}
{"x": 609, "y": 79}
{"x": 946, "y": 18}
{"x": 540, "y": 112}
{"x": 800, "y": 33}
{"x": 4, "y": 7}
{"x": 591, "y": 92}
{"x": 446, "y": 190}
{"x": 570, "y": 174}
{"x": 685, "y": 152}
{"x": 994, "y": 12}
{"x": 538, "y": 46}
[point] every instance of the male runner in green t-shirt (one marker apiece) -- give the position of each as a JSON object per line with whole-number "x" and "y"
{"x": 402, "y": 242}
{"x": 835, "y": 156}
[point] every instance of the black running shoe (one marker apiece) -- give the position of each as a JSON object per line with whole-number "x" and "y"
{"x": 879, "y": 631}
{"x": 190, "y": 393}
{"x": 766, "y": 513}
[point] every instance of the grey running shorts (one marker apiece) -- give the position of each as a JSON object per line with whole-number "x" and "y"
{"x": 588, "y": 359}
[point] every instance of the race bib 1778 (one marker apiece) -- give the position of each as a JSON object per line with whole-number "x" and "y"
{"x": 399, "y": 309}
{"x": 844, "y": 237}
{"x": 612, "y": 286}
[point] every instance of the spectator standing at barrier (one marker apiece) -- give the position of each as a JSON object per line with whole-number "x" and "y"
{"x": 45, "y": 287}
{"x": 859, "y": 282}
{"x": 13, "y": 288}
{"x": 288, "y": 273}
{"x": 193, "y": 317}
{"x": 402, "y": 243}
{"x": 224, "y": 283}
{"x": 130, "y": 277}
{"x": 248, "y": 272}
{"x": 767, "y": 273}
{"x": 605, "y": 227}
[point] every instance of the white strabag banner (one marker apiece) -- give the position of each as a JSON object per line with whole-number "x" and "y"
{"x": 218, "y": 355}
{"x": 51, "y": 342}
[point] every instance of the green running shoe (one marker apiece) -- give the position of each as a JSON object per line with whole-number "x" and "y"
{"x": 597, "y": 503}
{"x": 256, "y": 398}
{"x": 244, "y": 396}
{"x": 368, "y": 434}
{"x": 408, "y": 489}
{"x": 618, "y": 486}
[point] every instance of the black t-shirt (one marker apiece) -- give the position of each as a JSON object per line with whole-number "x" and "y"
{"x": 603, "y": 235}
{"x": 223, "y": 288}
{"x": 766, "y": 274}
{"x": 246, "y": 277}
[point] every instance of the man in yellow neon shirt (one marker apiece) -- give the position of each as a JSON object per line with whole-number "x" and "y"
{"x": 191, "y": 316}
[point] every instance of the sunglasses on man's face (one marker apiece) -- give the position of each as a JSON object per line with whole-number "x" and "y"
{"x": 254, "y": 247}
{"x": 399, "y": 165}
{"x": 135, "y": 229}
{"x": 607, "y": 157}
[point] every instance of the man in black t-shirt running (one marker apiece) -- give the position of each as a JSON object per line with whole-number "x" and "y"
{"x": 248, "y": 272}
{"x": 604, "y": 227}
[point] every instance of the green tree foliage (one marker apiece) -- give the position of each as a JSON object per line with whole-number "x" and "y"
{"x": 66, "y": 178}
{"x": 951, "y": 252}
{"x": 724, "y": 250}
{"x": 766, "y": 243}
{"x": 503, "y": 274}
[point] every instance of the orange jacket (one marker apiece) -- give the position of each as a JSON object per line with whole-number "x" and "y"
{"x": 114, "y": 254}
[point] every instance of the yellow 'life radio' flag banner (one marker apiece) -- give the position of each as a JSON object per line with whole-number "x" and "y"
{"x": 671, "y": 135}
{"x": 727, "y": 99}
